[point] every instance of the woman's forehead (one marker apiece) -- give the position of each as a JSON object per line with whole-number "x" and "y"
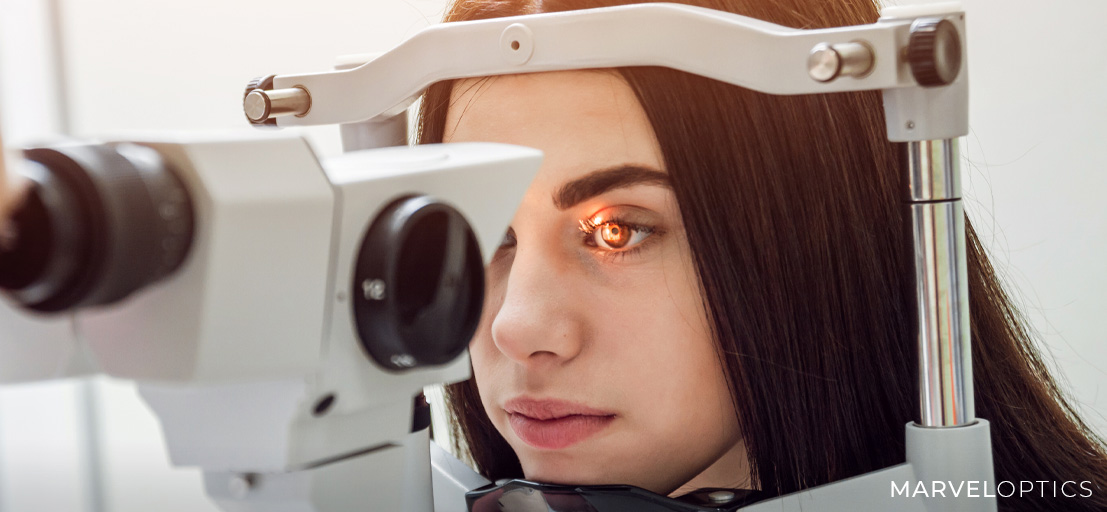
{"x": 581, "y": 120}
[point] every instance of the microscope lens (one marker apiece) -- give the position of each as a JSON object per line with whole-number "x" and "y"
{"x": 41, "y": 247}
{"x": 25, "y": 244}
{"x": 100, "y": 223}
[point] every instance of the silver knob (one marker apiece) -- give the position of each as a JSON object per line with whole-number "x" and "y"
{"x": 828, "y": 62}
{"x": 261, "y": 105}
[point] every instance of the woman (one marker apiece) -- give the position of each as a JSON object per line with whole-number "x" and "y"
{"x": 711, "y": 287}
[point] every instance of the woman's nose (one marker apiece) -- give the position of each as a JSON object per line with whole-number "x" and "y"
{"x": 538, "y": 320}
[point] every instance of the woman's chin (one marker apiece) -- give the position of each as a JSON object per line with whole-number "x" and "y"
{"x": 554, "y": 469}
{"x": 566, "y": 471}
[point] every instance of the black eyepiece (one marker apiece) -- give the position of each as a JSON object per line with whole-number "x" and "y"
{"x": 99, "y": 223}
{"x": 418, "y": 285}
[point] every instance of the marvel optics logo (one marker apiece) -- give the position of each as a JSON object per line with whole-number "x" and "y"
{"x": 1004, "y": 489}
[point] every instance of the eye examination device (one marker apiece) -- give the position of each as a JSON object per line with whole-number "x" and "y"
{"x": 281, "y": 313}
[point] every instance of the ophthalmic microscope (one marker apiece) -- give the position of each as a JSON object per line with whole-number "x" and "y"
{"x": 281, "y": 314}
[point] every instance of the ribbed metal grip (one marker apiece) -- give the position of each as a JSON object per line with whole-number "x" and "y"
{"x": 934, "y": 52}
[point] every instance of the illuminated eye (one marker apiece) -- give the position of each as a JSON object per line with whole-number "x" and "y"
{"x": 611, "y": 235}
{"x": 614, "y": 236}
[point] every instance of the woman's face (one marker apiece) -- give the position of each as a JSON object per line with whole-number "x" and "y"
{"x": 594, "y": 358}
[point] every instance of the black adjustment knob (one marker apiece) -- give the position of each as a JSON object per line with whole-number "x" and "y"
{"x": 934, "y": 51}
{"x": 262, "y": 83}
{"x": 418, "y": 284}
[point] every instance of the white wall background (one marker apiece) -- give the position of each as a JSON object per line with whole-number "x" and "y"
{"x": 1035, "y": 174}
{"x": 1035, "y": 170}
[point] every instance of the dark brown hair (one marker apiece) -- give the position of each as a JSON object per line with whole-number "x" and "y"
{"x": 795, "y": 211}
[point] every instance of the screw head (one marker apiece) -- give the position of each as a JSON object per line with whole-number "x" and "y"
{"x": 720, "y": 496}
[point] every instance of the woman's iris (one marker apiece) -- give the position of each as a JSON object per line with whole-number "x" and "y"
{"x": 615, "y": 236}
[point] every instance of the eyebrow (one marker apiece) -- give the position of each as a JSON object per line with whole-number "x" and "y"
{"x": 603, "y": 180}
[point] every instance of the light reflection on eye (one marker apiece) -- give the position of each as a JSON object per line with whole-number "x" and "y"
{"x": 614, "y": 235}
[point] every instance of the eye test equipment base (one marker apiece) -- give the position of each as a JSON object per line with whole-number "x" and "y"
{"x": 279, "y": 312}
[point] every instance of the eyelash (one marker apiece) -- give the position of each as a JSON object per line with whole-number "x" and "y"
{"x": 589, "y": 226}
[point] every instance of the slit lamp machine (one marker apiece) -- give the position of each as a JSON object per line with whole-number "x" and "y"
{"x": 281, "y": 314}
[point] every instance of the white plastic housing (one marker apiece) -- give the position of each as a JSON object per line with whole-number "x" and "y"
{"x": 249, "y": 301}
{"x": 206, "y": 422}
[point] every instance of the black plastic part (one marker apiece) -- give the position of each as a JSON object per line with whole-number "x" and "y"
{"x": 101, "y": 221}
{"x": 426, "y": 256}
{"x": 934, "y": 52}
{"x": 525, "y": 496}
{"x": 420, "y": 413}
{"x": 46, "y": 239}
{"x": 264, "y": 83}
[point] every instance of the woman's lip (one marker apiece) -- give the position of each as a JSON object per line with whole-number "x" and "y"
{"x": 552, "y": 424}
{"x": 549, "y": 409}
{"x": 555, "y": 434}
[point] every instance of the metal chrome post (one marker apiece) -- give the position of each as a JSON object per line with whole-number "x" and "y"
{"x": 945, "y": 360}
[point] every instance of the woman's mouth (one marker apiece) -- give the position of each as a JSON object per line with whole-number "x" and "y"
{"x": 555, "y": 424}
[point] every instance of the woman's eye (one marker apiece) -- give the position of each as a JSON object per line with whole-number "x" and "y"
{"x": 617, "y": 236}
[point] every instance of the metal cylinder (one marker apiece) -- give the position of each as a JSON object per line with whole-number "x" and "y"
{"x": 827, "y": 62}
{"x": 944, "y": 342}
{"x": 261, "y": 105}
{"x": 935, "y": 170}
